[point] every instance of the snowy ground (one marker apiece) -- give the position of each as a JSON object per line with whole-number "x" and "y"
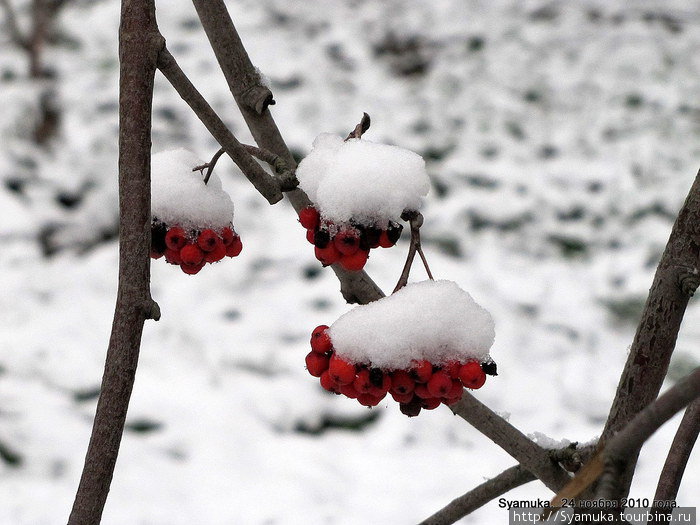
{"x": 561, "y": 139}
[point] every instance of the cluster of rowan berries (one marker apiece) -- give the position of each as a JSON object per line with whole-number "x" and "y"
{"x": 423, "y": 386}
{"x": 192, "y": 249}
{"x": 347, "y": 244}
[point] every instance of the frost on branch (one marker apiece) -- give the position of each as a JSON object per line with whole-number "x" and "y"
{"x": 362, "y": 181}
{"x": 422, "y": 345}
{"x": 360, "y": 190}
{"x": 192, "y": 221}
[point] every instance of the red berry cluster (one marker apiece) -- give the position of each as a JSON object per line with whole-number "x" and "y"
{"x": 347, "y": 244}
{"x": 191, "y": 250}
{"x": 424, "y": 385}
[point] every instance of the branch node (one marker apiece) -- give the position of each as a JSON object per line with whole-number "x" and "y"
{"x": 360, "y": 128}
{"x": 689, "y": 281}
{"x": 152, "y": 310}
{"x": 257, "y": 97}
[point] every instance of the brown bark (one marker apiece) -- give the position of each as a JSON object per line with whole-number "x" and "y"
{"x": 139, "y": 44}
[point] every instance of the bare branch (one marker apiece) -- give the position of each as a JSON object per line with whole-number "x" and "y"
{"x": 480, "y": 495}
{"x": 677, "y": 459}
{"x": 139, "y": 43}
{"x": 263, "y": 182}
{"x": 624, "y": 447}
{"x": 415, "y": 219}
{"x": 528, "y": 453}
{"x": 656, "y": 335}
{"x": 285, "y": 177}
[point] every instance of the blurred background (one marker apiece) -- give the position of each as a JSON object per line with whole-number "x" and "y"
{"x": 561, "y": 139}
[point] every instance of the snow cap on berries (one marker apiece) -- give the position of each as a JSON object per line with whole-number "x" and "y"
{"x": 368, "y": 182}
{"x": 179, "y": 195}
{"x": 432, "y": 320}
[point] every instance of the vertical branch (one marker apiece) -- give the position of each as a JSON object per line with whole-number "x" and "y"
{"x": 139, "y": 44}
{"x": 655, "y": 340}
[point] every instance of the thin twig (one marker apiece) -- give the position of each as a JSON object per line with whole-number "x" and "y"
{"x": 263, "y": 181}
{"x": 360, "y": 128}
{"x": 209, "y": 166}
{"x": 650, "y": 354}
{"x": 285, "y": 177}
{"x": 624, "y": 447}
{"x": 415, "y": 219}
{"x": 678, "y": 454}
{"x": 528, "y": 453}
{"x": 480, "y": 496}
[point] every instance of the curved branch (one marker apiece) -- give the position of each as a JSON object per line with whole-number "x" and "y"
{"x": 480, "y": 496}
{"x": 139, "y": 43}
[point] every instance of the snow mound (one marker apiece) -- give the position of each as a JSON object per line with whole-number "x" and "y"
{"x": 179, "y": 195}
{"x": 368, "y": 182}
{"x": 432, "y": 320}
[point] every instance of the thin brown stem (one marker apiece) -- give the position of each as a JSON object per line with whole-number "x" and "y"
{"x": 679, "y": 453}
{"x": 285, "y": 177}
{"x": 210, "y": 165}
{"x": 263, "y": 182}
{"x": 139, "y": 44}
{"x": 479, "y": 496}
{"x": 415, "y": 219}
{"x": 528, "y": 453}
{"x": 13, "y": 26}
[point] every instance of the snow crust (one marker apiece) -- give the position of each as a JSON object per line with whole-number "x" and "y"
{"x": 179, "y": 195}
{"x": 363, "y": 180}
{"x": 433, "y": 320}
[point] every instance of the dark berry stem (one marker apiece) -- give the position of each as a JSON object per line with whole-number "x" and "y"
{"x": 415, "y": 219}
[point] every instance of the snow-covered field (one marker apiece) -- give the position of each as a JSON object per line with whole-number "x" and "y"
{"x": 561, "y": 138}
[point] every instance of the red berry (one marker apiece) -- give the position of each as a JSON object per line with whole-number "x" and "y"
{"x": 452, "y": 368}
{"x": 328, "y": 383}
{"x": 347, "y": 242}
{"x": 356, "y": 261}
{"x": 431, "y": 403}
{"x": 422, "y": 391}
{"x": 316, "y": 363}
{"x": 191, "y": 269}
{"x": 156, "y": 254}
{"x": 309, "y": 218}
{"x": 327, "y": 255}
{"x": 227, "y": 236}
{"x": 320, "y": 340}
{"x": 349, "y": 391}
{"x": 422, "y": 370}
{"x": 361, "y": 382}
{"x": 402, "y": 382}
{"x": 380, "y": 389}
{"x": 172, "y": 256}
{"x": 218, "y": 253}
{"x": 456, "y": 391}
{"x": 369, "y": 400}
{"x": 233, "y": 249}
{"x": 401, "y": 398}
{"x": 384, "y": 241}
{"x": 440, "y": 384}
{"x": 176, "y": 238}
{"x": 207, "y": 240}
{"x": 192, "y": 254}
{"x": 471, "y": 375}
{"x": 341, "y": 371}
{"x": 412, "y": 408}
{"x": 310, "y": 236}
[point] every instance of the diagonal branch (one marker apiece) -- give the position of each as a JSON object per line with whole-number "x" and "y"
{"x": 480, "y": 496}
{"x": 658, "y": 328}
{"x": 263, "y": 182}
{"x": 625, "y": 446}
{"x": 13, "y": 26}
{"x": 528, "y": 453}
{"x": 677, "y": 459}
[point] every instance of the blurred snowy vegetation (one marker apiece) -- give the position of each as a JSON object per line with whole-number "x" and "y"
{"x": 561, "y": 139}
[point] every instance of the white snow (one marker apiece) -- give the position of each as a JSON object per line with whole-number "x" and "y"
{"x": 362, "y": 180}
{"x": 433, "y": 320}
{"x": 180, "y": 197}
